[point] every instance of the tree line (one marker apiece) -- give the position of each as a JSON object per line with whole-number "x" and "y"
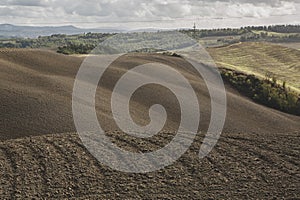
{"x": 266, "y": 91}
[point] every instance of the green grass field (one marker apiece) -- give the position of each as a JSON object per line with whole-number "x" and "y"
{"x": 270, "y": 33}
{"x": 216, "y": 41}
{"x": 260, "y": 58}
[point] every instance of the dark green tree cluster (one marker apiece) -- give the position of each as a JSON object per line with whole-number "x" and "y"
{"x": 248, "y": 34}
{"x": 76, "y": 49}
{"x": 215, "y": 32}
{"x": 251, "y": 37}
{"x": 95, "y": 35}
{"x": 267, "y": 92}
{"x": 277, "y": 28}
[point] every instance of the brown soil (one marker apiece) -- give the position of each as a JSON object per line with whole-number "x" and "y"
{"x": 256, "y": 157}
{"x": 241, "y": 166}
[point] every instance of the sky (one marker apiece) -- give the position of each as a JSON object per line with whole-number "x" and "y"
{"x": 137, "y": 14}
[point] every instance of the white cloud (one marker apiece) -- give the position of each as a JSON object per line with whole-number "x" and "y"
{"x": 142, "y": 12}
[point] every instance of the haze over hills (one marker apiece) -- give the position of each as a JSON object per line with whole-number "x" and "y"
{"x": 10, "y": 31}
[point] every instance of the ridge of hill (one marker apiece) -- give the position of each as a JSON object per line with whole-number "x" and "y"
{"x": 36, "y": 96}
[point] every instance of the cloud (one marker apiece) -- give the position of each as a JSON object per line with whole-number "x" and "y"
{"x": 113, "y": 11}
{"x": 22, "y": 2}
{"x": 260, "y": 10}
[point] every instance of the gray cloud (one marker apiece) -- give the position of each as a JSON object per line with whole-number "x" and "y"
{"x": 105, "y": 11}
{"x": 22, "y": 3}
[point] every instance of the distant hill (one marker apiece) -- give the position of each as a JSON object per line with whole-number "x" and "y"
{"x": 11, "y": 31}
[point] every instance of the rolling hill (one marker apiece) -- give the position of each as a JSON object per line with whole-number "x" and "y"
{"x": 36, "y": 89}
{"x": 41, "y": 156}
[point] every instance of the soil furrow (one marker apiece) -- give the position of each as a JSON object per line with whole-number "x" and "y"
{"x": 268, "y": 159}
{"x": 7, "y": 174}
{"x": 267, "y": 145}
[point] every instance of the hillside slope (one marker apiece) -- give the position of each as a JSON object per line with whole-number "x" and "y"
{"x": 259, "y": 58}
{"x": 36, "y": 97}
